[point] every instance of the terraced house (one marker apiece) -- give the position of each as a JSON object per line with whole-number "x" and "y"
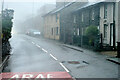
{"x": 109, "y": 23}
{"x": 103, "y": 15}
{"x": 57, "y": 23}
{"x": 69, "y": 22}
{"x": 52, "y": 22}
{"x": 52, "y": 26}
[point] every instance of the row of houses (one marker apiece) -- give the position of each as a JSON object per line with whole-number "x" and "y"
{"x": 69, "y": 21}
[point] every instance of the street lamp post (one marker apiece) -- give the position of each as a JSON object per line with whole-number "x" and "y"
{"x": 2, "y": 6}
{"x": 82, "y": 36}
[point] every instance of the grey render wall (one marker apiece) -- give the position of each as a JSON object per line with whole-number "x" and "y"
{"x": 87, "y": 16}
{"x": 109, "y": 21}
{"x": 67, "y": 24}
{"x": 118, "y": 40}
{"x": 66, "y": 20}
{"x": 87, "y": 21}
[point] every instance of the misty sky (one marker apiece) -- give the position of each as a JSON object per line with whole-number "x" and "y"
{"x": 25, "y": 8}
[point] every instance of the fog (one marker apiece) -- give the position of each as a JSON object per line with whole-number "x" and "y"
{"x": 28, "y": 14}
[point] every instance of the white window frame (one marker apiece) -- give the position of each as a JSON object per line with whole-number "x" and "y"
{"x": 78, "y": 31}
{"x": 74, "y": 20}
{"x": 74, "y": 32}
{"x": 93, "y": 15}
{"x": 105, "y": 11}
{"x": 82, "y": 17}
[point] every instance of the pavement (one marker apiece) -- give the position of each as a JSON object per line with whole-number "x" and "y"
{"x": 30, "y": 54}
{"x": 114, "y": 59}
{"x": 4, "y": 63}
{"x": 111, "y": 55}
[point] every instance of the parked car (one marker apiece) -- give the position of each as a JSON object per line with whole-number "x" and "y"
{"x": 37, "y": 33}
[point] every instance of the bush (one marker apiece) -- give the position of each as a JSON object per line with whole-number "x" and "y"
{"x": 77, "y": 40}
{"x": 91, "y": 32}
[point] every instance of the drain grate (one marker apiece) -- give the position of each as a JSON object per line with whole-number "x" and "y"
{"x": 85, "y": 62}
{"x": 75, "y": 62}
{"x": 63, "y": 62}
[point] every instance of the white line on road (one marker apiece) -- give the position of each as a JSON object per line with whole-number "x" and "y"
{"x": 33, "y": 42}
{"x": 44, "y": 50}
{"x": 64, "y": 67}
{"x": 53, "y": 57}
{"x": 37, "y": 45}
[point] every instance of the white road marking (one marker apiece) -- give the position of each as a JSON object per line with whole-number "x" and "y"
{"x": 37, "y": 45}
{"x": 64, "y": 67}
{"x": 53, "y": 57}
{"x": 33, "y": 42}
{"x": 44, "y": 50}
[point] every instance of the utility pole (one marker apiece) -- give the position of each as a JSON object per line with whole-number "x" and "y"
{"x": 33, "y": 23}
{"x": 1, "y": 35}
{"x": 2, "y": 6}
{"x": 82, "y": 36}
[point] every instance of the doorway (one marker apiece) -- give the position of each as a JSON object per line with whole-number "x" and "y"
{"x": 111, "y": 34}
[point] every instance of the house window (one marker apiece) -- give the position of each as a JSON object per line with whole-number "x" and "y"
{"x": 56, "y": 17}
{"x": 105, "y": 11}
{"x": 82, "y": 17}
{"x": 93, "y": 15}
{"x": 78, "y": 32}
{"x": 74, "y": 19}
{"x": 57, "y": 30}
{"x": 74, "y": 32}
{"x": 105, "y": 31}
{"x": 52, "y": 31}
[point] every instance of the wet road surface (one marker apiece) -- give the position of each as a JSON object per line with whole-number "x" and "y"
{"x": 30, "y": 54}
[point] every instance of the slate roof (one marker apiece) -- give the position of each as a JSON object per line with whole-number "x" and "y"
{"x": 90, "y": 4}
{"x": 67, "y": 5}
{"x": 60, "y": 8}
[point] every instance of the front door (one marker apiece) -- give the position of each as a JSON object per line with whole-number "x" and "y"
{"x": 111, "y": 34}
